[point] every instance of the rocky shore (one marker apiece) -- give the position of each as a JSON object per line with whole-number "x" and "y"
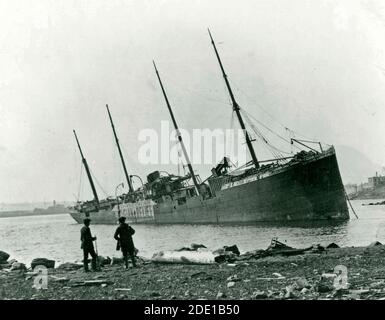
{"x": 276, "y": 273}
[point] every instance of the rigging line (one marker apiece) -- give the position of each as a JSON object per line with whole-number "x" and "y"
{"x": 268, "y": 113}
{"x": 130, "y": 161}
{"x": 269, "y": 148}
{"x": 80, "y": 182}
{"x": 226, "y": 92}
{"x": 347, "y": 198}
{"x": 232, "y": 131}
{"x": 266, "y": 127}
{"x": 101, "y": 188}
{"x": 272, "y": 131}
{"x": 280, "y": 151}
{"x": 277, "y": 154}
{"x": 258, "y": 105}
{"x": 232, "y": 120}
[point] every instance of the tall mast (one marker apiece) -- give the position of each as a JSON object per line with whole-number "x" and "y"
{"x": 120, "y": 152}
{"x": 178, "y": 132}
{"x": 236, "y": 107}
{"x": 87, "y": 170}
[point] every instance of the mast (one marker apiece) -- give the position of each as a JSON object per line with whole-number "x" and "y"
{"x": 236, "y": 107}
{"x": 178, "y": 132}
{"x": 87, "y": 170}
{"x": 120, "y": 152}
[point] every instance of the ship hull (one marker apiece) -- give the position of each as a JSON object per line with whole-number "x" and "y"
{"x": 141, "y": 211}
{"x": 100, "y": 217}
{"x": 306, "y": 191}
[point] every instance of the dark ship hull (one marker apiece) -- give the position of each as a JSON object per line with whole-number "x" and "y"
{"x": 305, "y": 190}
{"x": 311, "y": 190}
{"x": 141, "y": 211}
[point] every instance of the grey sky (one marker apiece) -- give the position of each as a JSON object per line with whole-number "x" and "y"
{"x": 317, "y": 66}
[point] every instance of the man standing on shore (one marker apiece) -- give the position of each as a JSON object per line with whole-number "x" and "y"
{"x": 123, "y": 235}
{"x": 87, "y": 245}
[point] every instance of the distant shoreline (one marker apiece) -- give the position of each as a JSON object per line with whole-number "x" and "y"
{"x": 21, "y": 213}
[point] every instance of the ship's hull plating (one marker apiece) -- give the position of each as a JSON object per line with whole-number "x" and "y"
{"x": 310, "y": 190}
{"x": 100, "y": 217}
{"x": 141, "y": 211}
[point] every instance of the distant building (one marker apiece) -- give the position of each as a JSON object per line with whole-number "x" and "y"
{"x": 373, "y": 189}
{"x": 376, "y": 181}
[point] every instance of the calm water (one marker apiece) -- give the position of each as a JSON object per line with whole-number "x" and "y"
{"x": 57, "y": 236}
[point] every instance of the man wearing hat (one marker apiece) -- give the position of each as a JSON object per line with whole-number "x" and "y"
{"x": 123, "y": 235}
{"x": 87, "y": 245}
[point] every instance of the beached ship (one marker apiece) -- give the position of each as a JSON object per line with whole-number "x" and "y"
{"x": 133, "y": 204}
{"x": 304, "y": 187}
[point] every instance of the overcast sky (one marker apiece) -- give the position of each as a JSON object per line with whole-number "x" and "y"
{"x": 317, "y": 67}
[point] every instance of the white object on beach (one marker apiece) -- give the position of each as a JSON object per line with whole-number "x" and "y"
{"x": 184, "y": 257}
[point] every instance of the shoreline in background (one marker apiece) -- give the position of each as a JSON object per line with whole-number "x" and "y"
{"x": 33, "y": 209}
{"x": 21, "y": 213}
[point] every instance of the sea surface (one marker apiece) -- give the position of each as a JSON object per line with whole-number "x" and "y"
{"x": 58, "y": 236}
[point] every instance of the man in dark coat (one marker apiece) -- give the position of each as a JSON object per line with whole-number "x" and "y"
{"x": 123, "y": 235}
{"x": 87, "y": 245}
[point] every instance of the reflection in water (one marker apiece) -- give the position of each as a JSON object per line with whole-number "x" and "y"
{"x": 58, "y": 236}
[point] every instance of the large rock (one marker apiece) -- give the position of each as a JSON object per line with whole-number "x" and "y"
{"x": 234, "y": 249}
{"x": 3, "y": 257}
{"x": 42, "y": 262}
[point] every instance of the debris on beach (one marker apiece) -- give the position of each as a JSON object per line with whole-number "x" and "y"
{"x": 279, "y": 272}
{"x": 199, "y": 254}
{"x": 193, "y": 247}
{"x": 69, "y": 266}
{"x": 184, "y": 257}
